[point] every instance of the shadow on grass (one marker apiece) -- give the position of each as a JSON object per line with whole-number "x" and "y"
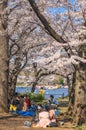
{"x": 11, "y": 116}
{"x": 63, "y": 103}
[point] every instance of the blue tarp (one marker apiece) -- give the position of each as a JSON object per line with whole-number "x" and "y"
{"x": 30, "y": 112}
{"x": 26, "y": 113}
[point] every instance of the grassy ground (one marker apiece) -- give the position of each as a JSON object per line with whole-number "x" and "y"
{"x": 63, "y": 104}
{"x": 63, "y": 109}
{"x": 13, "y": 122}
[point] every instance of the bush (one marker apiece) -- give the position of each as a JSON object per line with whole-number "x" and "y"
{"x": 61, "y": 81}
{"x": 36, "y": 97}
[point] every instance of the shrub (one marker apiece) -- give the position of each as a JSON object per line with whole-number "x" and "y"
{"x": 36, "y": 97}
{"x": 61, "y": 81}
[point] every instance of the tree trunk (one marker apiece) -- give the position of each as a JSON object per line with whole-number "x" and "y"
{"x": 12, "y": 85}
{"x": 35, "y": 77}
{"x": 72, "y": 96}
{"x": 3, "y": 65}
{"x": 79, "y": 116}
{"x": 33, "y": 86}
{"x": 80, "y": 91}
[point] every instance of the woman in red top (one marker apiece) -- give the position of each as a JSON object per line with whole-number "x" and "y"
{"x": 27, "y": 100}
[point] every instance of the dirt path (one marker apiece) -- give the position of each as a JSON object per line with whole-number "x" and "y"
{"x": 12, "y": 122}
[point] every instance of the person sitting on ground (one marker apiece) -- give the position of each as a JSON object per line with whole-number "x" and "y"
{"x": 27, "y": 100}
{"x": 53, "y": 101}
{"x": 14, "y": 103}
{"x": 21, "y": 103}
{"x": 47, "y": 117}
{"x": 52, "y": 117}
{"x": 24, "y": 108}
{"x": 52, "y": 114}
{"x": 43, "y": 116}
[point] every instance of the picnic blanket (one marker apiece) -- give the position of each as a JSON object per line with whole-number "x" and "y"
{"x": 30, "y": 112}
{"x": 26, "y": 113}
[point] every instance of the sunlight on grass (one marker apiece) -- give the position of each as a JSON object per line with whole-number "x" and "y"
{"x": 63, "y": 99}
{"x": 62, "y": 109}
{"x": 83, "y": 127}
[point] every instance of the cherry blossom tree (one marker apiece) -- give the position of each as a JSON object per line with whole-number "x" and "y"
{"x": 63, "y": 38}
{"x": 76, "y": 25}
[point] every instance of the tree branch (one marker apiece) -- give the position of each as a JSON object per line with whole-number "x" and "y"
{"x": 46, "y": 24}
{"x": 25, "y": 54}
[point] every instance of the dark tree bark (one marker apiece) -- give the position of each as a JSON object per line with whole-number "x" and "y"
{"x": 12, "y": 85}
{"x": 3, "y": 62}
{"x": 14, "y": 74}
{"x": 35, "y": 76}
{"x": 72, "y": 96}
{"x": 79, "y": 113}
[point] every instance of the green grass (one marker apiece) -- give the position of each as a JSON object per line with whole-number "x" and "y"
{"x": 83, "y": 127}
{"x": 62, "y": 109}
{"x": 63, "y": 99}
{"x": 21, "y": 84}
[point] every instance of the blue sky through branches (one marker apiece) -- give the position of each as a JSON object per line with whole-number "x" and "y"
{"x": 57, "y": 10}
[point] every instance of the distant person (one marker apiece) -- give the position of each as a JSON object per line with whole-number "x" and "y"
{"x": 41, "y": 91}
{"x": 63, "y": 95}
{"x": 53, "y": 101}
